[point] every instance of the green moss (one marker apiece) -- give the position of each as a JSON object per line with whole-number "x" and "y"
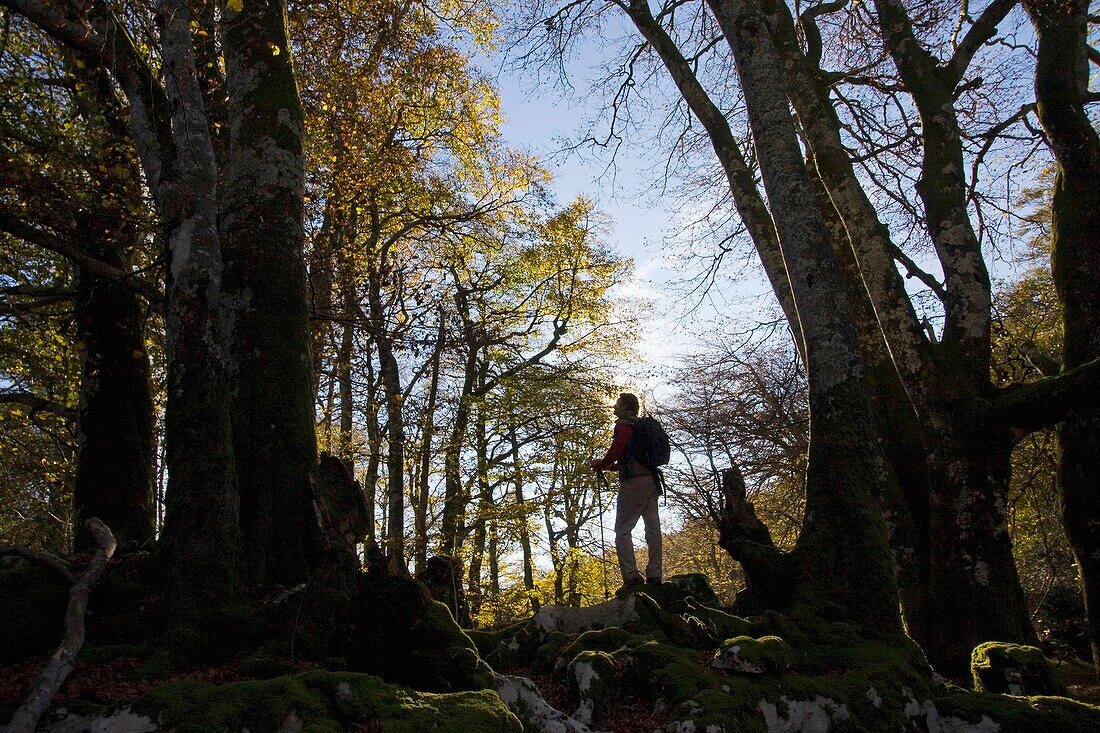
{"x": 32, "y": 614}
{"x": 726, "y": 625}
{"x": 603, "y": 640}
{"x": 548, "y": 652}
{"x": 594, "y": 677}
{"x": 323, "y": 702}
{"x": 1014, "y": 669}
{"x": 487, "y": 640}
{"x": 766, "y": 655}
{"x": 1022, "y": 714}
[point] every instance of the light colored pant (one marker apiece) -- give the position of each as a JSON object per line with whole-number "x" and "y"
{"x": 638, "y": 499}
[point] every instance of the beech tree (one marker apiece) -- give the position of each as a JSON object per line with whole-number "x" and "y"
{"x": 1061, "y": 89}
{"x": 222, "y": 160}
{"x": 947, "y": 431}
{"x": 71, "y": 188}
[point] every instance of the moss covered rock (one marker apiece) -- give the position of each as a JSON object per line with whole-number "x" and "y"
{"x": 320, "y": 702}
{"x": 593, "y": 676}
{"x": 1013, "y": 669}
{"x": 404, "y": 636}
{"x": 744, "y": 654}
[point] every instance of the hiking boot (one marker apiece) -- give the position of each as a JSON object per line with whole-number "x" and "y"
{"x": 627, "y": 585}
{"x": 653, "y": 581}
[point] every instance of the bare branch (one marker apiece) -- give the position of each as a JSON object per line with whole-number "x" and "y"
{"x": 63, "y": 660}
{"x": 982, "y": 30}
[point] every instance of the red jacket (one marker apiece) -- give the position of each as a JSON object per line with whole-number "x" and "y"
{"x": 610, "y": 462}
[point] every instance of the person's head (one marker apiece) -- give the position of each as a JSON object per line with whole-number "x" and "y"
{"x": 627, "y": 405}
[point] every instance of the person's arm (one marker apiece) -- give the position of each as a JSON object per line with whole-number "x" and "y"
{"x": 609, "y": 462}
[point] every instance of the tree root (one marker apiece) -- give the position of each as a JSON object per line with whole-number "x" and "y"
{"x": 63, "y": 660}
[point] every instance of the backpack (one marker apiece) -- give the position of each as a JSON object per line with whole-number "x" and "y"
{"x": 649, "y": 443}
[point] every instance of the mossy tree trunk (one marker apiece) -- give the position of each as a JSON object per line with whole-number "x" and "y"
{"x": 114, "y": 466}
{"x": 263, "y": 235}
{"x": 200, "y": 541}
{"x": 948, "y": 523}
{"x": 1061, "y": 84}
{"x": 842, "y": 553}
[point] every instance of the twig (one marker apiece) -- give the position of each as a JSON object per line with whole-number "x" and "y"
{"x": 63, "y": 660}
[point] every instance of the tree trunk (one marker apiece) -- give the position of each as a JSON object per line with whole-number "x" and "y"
{"x": 200, "y": 542}
{"x": 420, "y": 505}
{"x": 114, "y": 467}
{"x": 484, "y": 507}
{"x": 274, "y": 438}
{"x": 456, "y": 499}
{"x": 842, "y": 553}
{"x": 374, "y": 448}
{"x": 899, "y": 432}
{"x": 1061, "y": 81}
{"x": 742, "y": 181}
{"x": 395, "y": 457}
{"x": 523, "y": 531}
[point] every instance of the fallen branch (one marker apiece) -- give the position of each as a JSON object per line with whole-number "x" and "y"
{"x": 63, "y": 660}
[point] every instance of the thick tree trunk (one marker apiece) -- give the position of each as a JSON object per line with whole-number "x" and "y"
{"x": 1061, "y": 82}
{"x": 200, "y": 542}
{"x": 898, "y": 430}
{"x": 274, "y": 438}
{"x": 842, "y": 554}
{"x": 114, "y": 467}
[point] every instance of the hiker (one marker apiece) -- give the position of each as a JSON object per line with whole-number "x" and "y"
{"x": 638, "y": 492}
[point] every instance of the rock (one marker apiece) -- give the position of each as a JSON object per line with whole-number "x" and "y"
{"x": 1013, "y": 669}
{"x": 404, "y": 636}
{"x": 524, "y": 699}
{"x": 317, "y": 701}
{"x": 744, "y": 654}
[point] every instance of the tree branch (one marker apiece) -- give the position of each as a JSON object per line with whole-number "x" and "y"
{"x": 37, "y": 404}
{"x": 55, "y": 672}
{"x": 982, "y": 30}
{"x": 58, "y": 245}
{"x": 39, "y": 557}
{"x": 1046, "y": 402}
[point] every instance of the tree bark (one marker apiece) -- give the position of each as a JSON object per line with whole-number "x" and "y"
{"x": 114, "y": 479}
{"x": 262, "y": 216}
{"x": 842, "y": 553}
{"x": 1061, "y": 82}
{"x": 200, "y": 542}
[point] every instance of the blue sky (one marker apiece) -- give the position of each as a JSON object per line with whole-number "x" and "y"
{"x": 537, "y": 120}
